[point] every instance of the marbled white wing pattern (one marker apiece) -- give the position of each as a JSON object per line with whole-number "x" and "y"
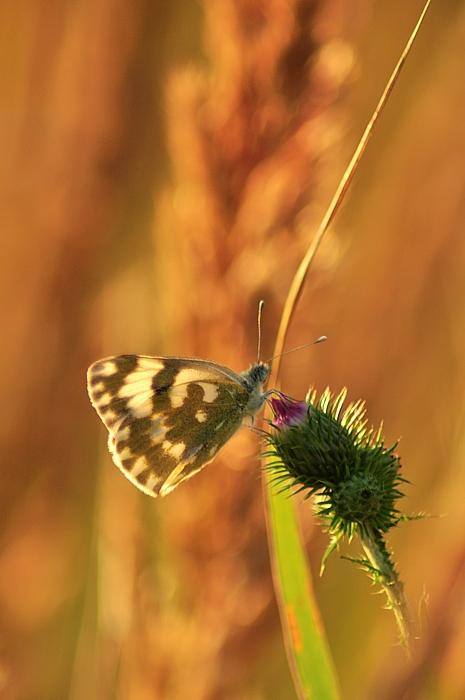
{"x": 168, "y": 416}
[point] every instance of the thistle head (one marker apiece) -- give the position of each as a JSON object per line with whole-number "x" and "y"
{"x": 322, "y": 449}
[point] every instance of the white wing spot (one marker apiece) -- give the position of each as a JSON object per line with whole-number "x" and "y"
{"x": 124, "y": 454}
{"x": 150, "y": 364}
{"x": 137, "y": 388}
{"x": 158, "y": 430}
{"x": 210, "y": 391}
{"x": 201, "y": 416}
{"x": 105, "y": 369}
{"x": 123, "y": 434}
{"x": 178, "y": 394}
{"x": 139, "y": 466}
{"x": 187, "y": 375}
{"x": 103, "y": 400}
{"x": 175, "y": 450}
{"x": 151, "y": 482}
{"x": 136, "y": 383}
{"x": 110, "y": 417}
{"x": 140, "y": 405}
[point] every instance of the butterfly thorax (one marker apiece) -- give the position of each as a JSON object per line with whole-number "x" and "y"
{"x": 254, "y": 378}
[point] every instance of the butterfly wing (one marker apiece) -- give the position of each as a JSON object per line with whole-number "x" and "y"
{"x": 167, "y": 416}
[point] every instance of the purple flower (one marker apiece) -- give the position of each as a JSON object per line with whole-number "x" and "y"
{"x": 287, "y": 411}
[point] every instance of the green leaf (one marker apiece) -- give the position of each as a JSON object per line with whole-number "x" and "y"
{"x": 307, "y": 650}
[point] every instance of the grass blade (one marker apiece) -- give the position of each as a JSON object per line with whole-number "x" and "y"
{"x": 308, "y": 654}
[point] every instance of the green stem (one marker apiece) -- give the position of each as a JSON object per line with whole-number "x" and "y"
{"x": 379, "y": 558}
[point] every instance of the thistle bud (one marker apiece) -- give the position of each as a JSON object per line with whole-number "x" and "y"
{"x": 321, "y": 449}
{"x": 318, "y": 448}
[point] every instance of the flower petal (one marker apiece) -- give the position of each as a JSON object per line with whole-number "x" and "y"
{"x": 287, "y": 411}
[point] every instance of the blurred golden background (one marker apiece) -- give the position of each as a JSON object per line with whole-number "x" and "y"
{"x": 164, "y": 164}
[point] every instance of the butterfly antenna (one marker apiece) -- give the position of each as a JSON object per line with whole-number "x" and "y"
{"x": 321, "y": 339}
{"x": 261, "y": 304}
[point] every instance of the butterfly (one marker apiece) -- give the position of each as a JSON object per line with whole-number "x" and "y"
{"x": 168, "y": 417}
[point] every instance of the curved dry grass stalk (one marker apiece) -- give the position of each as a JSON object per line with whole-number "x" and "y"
{"x": 299, "y": 277}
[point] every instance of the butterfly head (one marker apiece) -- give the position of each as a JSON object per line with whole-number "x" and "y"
{"x": 253, "y": 379}
{"x": 256, "y": 375}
